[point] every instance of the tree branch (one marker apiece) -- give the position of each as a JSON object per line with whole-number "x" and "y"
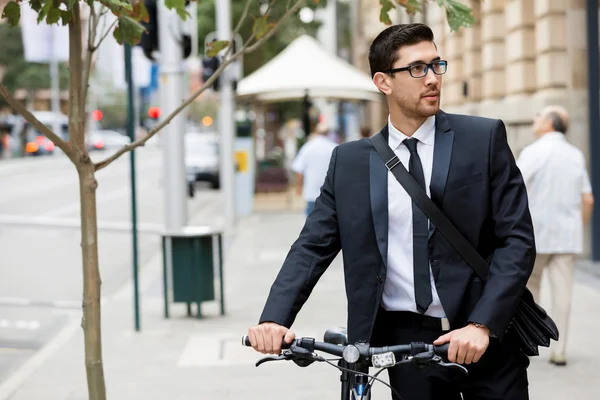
{"x": 244, "y": 50}
{"x": 21, "y": 109}
{"x": 105, "y": 34}
{"x": 87, "y": 67}
{"x": 282, "y": 21}
{"x": 76, "y": 83}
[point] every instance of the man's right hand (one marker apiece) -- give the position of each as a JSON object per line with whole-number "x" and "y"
{"x": 267, "y": 337}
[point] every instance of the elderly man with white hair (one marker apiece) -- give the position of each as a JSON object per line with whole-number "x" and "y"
{"x": 561, "y": 201}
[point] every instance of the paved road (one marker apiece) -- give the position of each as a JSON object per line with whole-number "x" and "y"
{"x": 40, "y": 271}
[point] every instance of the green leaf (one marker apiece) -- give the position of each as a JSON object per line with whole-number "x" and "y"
{"x": 66, "y": 17}
{"x": 183, "y": 13}
{"x": 12, "y": 12}
{"x": 261, "y": 27}
{"x": 171, "y": 4}
{"x": 119, "y": 3}
{"x": 53, "y": 16}
{"x": 413, "y": 6}
{"x": 140, "y": 12}
{"x": 215, "y": 47}
{"x": 179, "y": 6}
{"x": 386, "y": 7}
{"x": 128, "y": 30}
{"x": 458, "y": 15}
{"x": 36, "y": 5}
{"x": 44, "y": 11}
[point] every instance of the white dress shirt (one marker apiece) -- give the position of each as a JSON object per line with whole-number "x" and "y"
{"x": 312, "y": 161}
{"x": 555, "y": 176}
{"x": 399, "y": 292}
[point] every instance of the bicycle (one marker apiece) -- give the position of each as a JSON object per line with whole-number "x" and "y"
{"x": 355, "y": 359}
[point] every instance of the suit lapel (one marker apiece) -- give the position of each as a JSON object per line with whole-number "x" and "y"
{"x": 378, "y": 178}
{"x": 442, "y": 152}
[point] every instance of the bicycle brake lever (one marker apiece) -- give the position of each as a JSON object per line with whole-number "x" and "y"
{"x": 455, "y": 366}
{"x": 271, "y": 358}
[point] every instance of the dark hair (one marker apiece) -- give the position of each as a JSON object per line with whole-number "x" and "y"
{"x": 383, "y": 52}
{"x": 557, "y": 122}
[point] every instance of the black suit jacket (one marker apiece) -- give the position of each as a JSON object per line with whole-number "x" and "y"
{"x": 474, "y": 181}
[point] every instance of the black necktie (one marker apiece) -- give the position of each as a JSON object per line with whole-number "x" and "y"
{"x": 423, "y": 295}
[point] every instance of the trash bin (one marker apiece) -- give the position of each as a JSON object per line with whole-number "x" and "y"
{"x": 190, "y": 258}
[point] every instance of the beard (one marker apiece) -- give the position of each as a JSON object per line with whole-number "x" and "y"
{"x": 419, "y": 107}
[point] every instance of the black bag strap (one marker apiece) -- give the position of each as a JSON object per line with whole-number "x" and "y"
{"x": 435, "y": 215}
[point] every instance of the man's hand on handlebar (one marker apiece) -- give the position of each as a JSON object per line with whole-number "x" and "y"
{"x": 467, "y": 345}
{"x": 267, "y": 337}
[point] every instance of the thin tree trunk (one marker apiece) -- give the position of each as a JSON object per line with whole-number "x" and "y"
{"x": 91, "y": 322}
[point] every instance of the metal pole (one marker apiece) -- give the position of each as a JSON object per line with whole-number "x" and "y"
{"x": 194, "y": 30}
{"x": 55, "y": 85}
{"x": 226, "y": 121}
{"x": 171, "y": 96}
{"x": 131, "y": 132}
{"x": 594, "y": 115}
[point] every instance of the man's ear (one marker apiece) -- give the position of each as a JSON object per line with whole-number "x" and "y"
{"x": 382, "y": 81}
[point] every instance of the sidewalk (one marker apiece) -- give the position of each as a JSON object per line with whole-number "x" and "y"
{"x": 185, "y": 358}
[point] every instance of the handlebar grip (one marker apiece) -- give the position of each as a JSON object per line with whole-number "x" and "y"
{"x": 442, "y": 350}
{"x": 246, "y": 342}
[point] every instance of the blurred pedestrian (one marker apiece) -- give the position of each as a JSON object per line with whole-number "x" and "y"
{"x": 310, "y": 166}
{"x": 561, "y": 203}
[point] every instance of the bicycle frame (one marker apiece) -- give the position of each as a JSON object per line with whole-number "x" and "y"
{"x": 354, "y": 387}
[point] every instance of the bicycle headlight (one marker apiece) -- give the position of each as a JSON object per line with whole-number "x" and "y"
{"x": 383, "y": 360}
{"x": 351, "y": 354}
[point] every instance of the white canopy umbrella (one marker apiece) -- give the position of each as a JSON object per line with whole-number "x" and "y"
{"x": 305, "y": 68}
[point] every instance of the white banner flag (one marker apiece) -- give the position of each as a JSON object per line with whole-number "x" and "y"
{"x": 41, "y": 40}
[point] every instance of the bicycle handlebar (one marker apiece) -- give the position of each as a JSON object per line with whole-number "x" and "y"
{"x": 364, "y": 349}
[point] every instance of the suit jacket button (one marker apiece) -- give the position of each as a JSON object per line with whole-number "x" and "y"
{"x": 379, "y": 278}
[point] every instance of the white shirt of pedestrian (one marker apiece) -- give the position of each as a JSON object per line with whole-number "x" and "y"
{"x": 399, "y": 290}
{"x": 555, "y": 176}
{"x": 312, "y": 162}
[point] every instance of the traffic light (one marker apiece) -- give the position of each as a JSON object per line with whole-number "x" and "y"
{"x": 97, "y": 115}
{"x": 149, "y": 41}
{"x": 154, "y": 112}
{"x": 209, "y": 66}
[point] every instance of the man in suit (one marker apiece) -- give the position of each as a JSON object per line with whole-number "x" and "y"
{"x": 404, "y": 281}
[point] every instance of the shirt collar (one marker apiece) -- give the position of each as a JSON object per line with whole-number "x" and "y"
{"x": 424, "y": 134}
{"x": 554, "y": 136}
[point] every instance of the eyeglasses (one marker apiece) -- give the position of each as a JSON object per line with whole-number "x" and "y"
{"x": 419, "y": 70}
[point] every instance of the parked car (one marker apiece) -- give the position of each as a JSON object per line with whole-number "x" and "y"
{"x": 35, "y": 142}
{"x": 105, "y": 139}
{"x": 202, "y": 158}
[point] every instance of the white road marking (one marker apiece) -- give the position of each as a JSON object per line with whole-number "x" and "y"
{"x": 14, "y": 301}
{"x": 33, "y": 325}
{"x": 25, "y": 220}
{"x": 20, "y": 324}
{"x": 14, "y": 381}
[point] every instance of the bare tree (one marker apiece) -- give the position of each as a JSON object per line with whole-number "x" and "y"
{"x": 126, "y": 29}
